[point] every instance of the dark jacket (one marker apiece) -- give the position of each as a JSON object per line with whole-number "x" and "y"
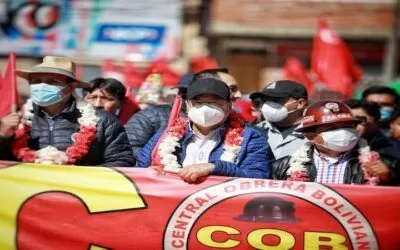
{"x": 110, "y": 148}
{"x": 252, "y": 158}
{"x": 353, "y": 173}
{"x": 145, "y": 123}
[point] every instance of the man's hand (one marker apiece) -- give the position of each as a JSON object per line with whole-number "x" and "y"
{"x": 9, "y": 124}
{"x": 379, "y": 169}
{"x": 193, "y": 172}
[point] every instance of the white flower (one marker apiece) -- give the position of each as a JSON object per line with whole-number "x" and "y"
{"x": 51, "y": 155}
{"x": 230, "y": 153}
{"x": 298, "y": 159}
{"x": 27, "y": 112}
{"x": 169, "y": 159}
{"x": 88, "y": 114}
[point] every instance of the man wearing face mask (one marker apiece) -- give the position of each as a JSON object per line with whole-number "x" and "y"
{"x": 387, "y": 99}
{"x": 223, "y": 75}
{"x": 63, "y": 130}
{"x": 334, "y": 154}
{"x": 283, "y": 104}
{"x": 213, "y": 141}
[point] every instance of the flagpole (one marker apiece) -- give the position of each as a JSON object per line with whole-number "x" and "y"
{"x": 390, "y": 63}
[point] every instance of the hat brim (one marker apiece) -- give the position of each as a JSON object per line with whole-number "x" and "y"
{"x": 27, "y": 73}
{"x": 311, "y": 127}
{"x": 195, "y": 94}
{"x": 269, "y": 94}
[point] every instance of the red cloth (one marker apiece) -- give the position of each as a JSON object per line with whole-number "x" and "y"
{"x": 243, "y": 108}
{"x": 133, "y": 78}
{"x": 176, "y": 109}
{"x": 332, "y": 62}
{"x": 201, "y": 63}
{"x": 170, "y": 78}
{"x": 294, "y": 70}
{"x": 8, "y": 88}
{"x": 129, "y": 108}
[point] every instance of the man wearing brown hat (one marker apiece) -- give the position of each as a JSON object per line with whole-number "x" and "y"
{"x": 63, "y": 130}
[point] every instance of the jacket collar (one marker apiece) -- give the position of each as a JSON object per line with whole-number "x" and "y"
{"x": 351, "y": 172}
{"x": 70, "y": 109}
{"x": 220, "y": 131}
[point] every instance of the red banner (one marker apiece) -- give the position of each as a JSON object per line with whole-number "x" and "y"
{"x": 67, "y": 207}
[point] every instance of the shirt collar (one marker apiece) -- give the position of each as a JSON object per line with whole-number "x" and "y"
{"x": 344, "y": 157}
{"x": 273, "y": 127}
{"x": 210, "y": 136}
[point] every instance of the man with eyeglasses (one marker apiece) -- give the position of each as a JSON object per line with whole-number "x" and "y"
{"x": 283, "y": 104}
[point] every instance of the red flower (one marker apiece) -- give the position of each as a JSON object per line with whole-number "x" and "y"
{"x": 29, "y": 156}
{"x": 86, "y": 129}
{"x": 19, "y": 144}
{"x": 234, "y": 137}
{"x": 299, "y": 176}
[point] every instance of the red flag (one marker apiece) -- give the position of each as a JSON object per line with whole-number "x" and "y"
{"x": 201, "y": 63}
{"x": 8, "y": 88}
{"x": 294, "y": 70}
{"x": 133, "y": 78}
{"x": 108, "y": 66}
{"x": 176, "y": 109}
{"x": 129, "y": 107}
{"x": 170, "y": 78}
{"x": 332, "y": 61}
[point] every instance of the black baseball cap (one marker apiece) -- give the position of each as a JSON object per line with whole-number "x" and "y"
{"x": 185, "y": 81}
{"x": 208, "y": 86}
{"x": 282, "y": 89}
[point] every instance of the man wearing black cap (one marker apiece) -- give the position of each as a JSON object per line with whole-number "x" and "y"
{"x": 145, "y": 123}
{"x": 223, "y": 75}
{"x": 283, "y": 104}
{"x": 213, "y": 141}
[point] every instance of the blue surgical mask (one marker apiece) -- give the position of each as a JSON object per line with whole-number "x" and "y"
{"x": 386, "y": 114}
{"x": 44, "y": 94}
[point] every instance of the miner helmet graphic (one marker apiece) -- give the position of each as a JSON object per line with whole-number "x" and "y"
{"x": 268, "y": 209}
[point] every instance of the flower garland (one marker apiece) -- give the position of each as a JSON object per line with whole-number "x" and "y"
{"x": 298, "y": 172}
{"x": 169, "y": 143}
{"x": 51, "y": 155}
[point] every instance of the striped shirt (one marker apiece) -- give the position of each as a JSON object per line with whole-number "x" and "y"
{"x": 330, "y": 170}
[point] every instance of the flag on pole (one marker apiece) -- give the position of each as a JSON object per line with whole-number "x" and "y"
{"x": 294, "y": 70}
{"x": 332, "y": 61}
{"x": 8, "y": 88}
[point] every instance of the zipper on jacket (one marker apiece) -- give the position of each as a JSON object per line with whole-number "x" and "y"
{"x": 51, "y": 128}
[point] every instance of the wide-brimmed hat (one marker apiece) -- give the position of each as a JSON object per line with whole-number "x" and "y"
{"x": 54, "y": 65}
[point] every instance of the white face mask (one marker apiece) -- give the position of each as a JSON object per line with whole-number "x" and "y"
{"x": 206, "y": 115}
{"x": 275, "y": 112}
{"x": 340, "y": 140}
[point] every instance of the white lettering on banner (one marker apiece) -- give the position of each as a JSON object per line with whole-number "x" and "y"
{"x": 122, "y": 33}
{"x": 355, "y": 224}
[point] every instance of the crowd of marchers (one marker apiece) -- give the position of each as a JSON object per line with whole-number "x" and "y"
{"x": 277, "y": 134}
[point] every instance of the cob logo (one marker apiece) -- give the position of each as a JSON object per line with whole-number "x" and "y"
{"x": 272, "y": 215}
